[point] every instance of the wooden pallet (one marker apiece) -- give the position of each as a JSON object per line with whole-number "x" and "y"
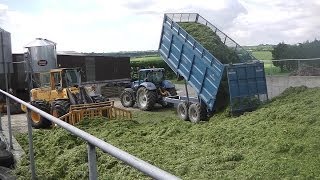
{"x": 103, "y": 109}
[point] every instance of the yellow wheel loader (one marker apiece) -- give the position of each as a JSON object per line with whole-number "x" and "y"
{"x": 61, "y": 95}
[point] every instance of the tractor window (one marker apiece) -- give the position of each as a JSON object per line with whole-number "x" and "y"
{"x": 143, "y": 75}
{"x": 158, "y": 76}
{"x": 155, "y": 76}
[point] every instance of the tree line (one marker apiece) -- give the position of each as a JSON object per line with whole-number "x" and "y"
{"x": 298, "y": 51}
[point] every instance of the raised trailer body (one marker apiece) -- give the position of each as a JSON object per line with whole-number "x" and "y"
{"x": 204, "y": 72}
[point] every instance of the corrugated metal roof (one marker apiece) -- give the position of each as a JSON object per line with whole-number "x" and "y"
{"x": 40, "y": 42}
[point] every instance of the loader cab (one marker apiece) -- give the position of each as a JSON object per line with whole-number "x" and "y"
{"x": 64, "y": 77}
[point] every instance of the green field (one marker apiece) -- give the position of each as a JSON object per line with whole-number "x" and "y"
{"x": 280, "y": 140}
{"x": 147, "y": 58}
{"x": 262, "y": 55}
{"x": 270, "y": 69}
{"x": 266, "y": 56}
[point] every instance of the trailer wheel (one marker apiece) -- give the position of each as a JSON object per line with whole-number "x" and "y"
{"x": 146, "y": 98}
{"x": 37, "y": 121}
{"x": 197, "y": 113}
{"x": 126, "y": 99}
{"x": 182, "y": 110}
{"x": 60, "y": 108}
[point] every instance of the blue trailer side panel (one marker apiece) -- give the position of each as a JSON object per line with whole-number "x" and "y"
{"x": 247, "y": 86}
{"x": 188, "y": 58}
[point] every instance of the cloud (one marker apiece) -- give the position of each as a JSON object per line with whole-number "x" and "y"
{"x": 104, "y": 26}
{"x": 139, "y": 4}
{"x": 275, "y": 21}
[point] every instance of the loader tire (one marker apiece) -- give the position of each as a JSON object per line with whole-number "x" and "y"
{"x": 197, "y": 113}
{"x": 6, "y": 159}
{"x": 127, "y": 99}
{"x": 38, "y": 121}
{"x": 172, "y": 92}
{"x": 60, "y": 108}
{"x": 146, "y": 98}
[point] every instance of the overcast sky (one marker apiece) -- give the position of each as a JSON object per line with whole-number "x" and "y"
{"x": 127, "y": 25}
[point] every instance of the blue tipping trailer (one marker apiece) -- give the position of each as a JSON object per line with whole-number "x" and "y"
{"x": 200, "y": 69}
{"x": 190, "y": 59}
{"x": 247, "y": 86}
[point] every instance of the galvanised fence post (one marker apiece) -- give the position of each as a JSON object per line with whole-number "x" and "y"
{"x": 31, "y": 153}
{"x": 9, "y": 122}
{"x": 92, "y": 162}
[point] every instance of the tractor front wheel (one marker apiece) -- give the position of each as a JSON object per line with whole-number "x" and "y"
{"x": 146, "y": 98}
{"x": 126, "y": 99}
{"x": 37, "y": 121}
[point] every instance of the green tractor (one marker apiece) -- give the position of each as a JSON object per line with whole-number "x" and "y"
{"x": 150, "y": 88}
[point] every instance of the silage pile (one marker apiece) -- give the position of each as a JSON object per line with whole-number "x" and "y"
{"x": 211, "y": 41}
{"x": 279, "y": 140}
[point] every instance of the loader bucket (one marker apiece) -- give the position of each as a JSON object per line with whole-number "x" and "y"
{"x": 103, "y": 109}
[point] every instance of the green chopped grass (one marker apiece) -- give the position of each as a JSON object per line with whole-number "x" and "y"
{"x": 211, "y": 41}
{"x": 280, "y": 140}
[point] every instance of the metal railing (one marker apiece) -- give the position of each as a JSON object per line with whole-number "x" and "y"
{"x": 195, "y": 17}
{"x": 92, "y": 141}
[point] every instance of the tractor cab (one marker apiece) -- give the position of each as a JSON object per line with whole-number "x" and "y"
{"x": 152, "y": 75}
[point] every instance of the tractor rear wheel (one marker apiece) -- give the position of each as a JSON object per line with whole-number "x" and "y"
{"x": 182, "y": 110}
{"x": 197, "y": 113}
{"x": 146, "y": 98}
{"x": 126, "y": 99}
{"x": 37, "y": 121}
{"x": 60, "y": 108}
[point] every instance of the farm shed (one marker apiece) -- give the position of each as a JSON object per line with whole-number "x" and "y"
{"x": 106, "y": 72}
